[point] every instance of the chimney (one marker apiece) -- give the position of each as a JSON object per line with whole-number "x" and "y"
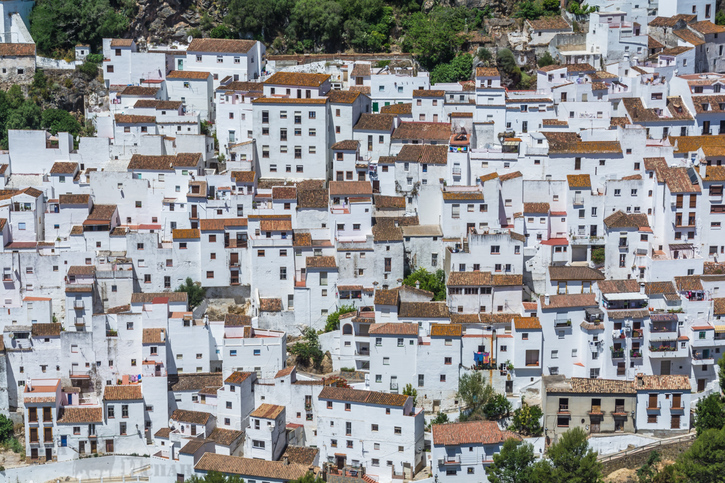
{"x": 285, "y": 460}
{"x": 641, "y": 288}
{"x": 417, "y": 284}
{"x": 546, "y": 299}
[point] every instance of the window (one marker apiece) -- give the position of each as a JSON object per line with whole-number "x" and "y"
{"x": 397, "y": 430}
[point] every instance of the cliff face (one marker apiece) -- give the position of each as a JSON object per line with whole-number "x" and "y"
{"x": 164, "y": 20}
{"x": 500, "y": 7}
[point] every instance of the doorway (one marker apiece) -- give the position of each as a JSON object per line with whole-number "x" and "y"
{"x": 665, "y": 368}
{"x": 48, "y": 454}
{"x": 340, "y": 459}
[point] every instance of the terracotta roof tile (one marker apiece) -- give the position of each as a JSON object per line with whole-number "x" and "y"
{"x": 671, "y": 21}
{"x": 400, "y": 108}
{"x": 290, "y": 100}
{"x": 619, "y": 219}
{"x": 237, "y": 377}
{"x": 361, "y": 70}
{"x": 250, "y": 468}
{"x": 427, "y": 131}
{"x": 192, "y": 417}
{"x": 652, "y": 288}
{"x": 348, "y": 145}
{"x": 220, "y": 224}
{"x": 17, "y": 50}
{"x": 579, "y": 181}
{"x": 580, "y": 385}
{"x": 225, "y": 437}
{"x": 74, "y": 199}
{"x": 46, "y": 330}
{"x": 131, "y": 392}
{"x": 301, "y": 455}
{"x": 394, "y": 328}
{"x": 188, "y": 75}
{"x": 297, "y": 79}
{"x": 423, "y": 310}
{"x": 140, "y": 91}
{"x": 358, "y": 396}
{"x": 389, "y": 202}
{"x": 61, "y": 167}
{"x": 312, "y": 199}
{"x": 526, "y": 323}
{"x": 153, "y": 336}
{"x": 487, "y": 72}
{"x": 350, "y": 188}
{"x": 221, "y": 45}
{"x": 186, "y": 234}
{"x": 79, "y": 414}
{"x": 375, "y": 122}
{"x": 706, "y": 27}
{"x": 321, "y": 262}
{"x": 550, "y": 23}
{"x": 469, "y": 279}
{"x": 536, "y": 208}
{"x": 386, "y": 297}
{"x": 237, "y": 320}
{"x": 618, "y": 286}
{"x": 270, "y": 305}
{"x": 689, "y": 283}
{"x": 194, "y": 382}
{"x": 570, "y": 301}
{"x": 121, "y": 42}
{"x": 473, "y": 432}
{"x": 133, "y": 119}
{"x": 428, "y": 93}
{"x": 446, "y": 330}
{"x": 385, "y": 230}
{"x": 662, "y": 383}
{"x": 244, "y": 176}
{"x": 564, "y": 273}
{"x": 688, "y": 36}
{"x": 342, "y": 97}
{"x": 267, "y": 411}
{"x": 275, "y": 225}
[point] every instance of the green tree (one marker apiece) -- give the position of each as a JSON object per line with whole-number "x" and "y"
{"x": 529, "y": 10}
{"x": 648, "y": 471}
{"x": 57, "y": 25}
{"x": 551, "y": 7}
{"x": 333, "y": 320}
{"x": 459, "y": 69}
{"x": 720, "y": 17}
{"x": 484, "y": 54}
{"x": 497, "y": 407}
{"x": 441, "y": 418}
{"x": 221, "y": 32}
{"x": 308, "y": 348}
{"x": 89, "y": 69}
{"x": 320, "y": 21}
{"x": 261, "y": 18}
{"x": 704, "y": 462}
{"x": 432, "y": 282}
{"x": 435, "y": 37}
{"x": 514, "y": 464}
{"x": 474, "y": 393}
{"x": 6, "y": 428}
{"x": 569, "y": 460}
{"x": 710, "y": 413}
{"x": 526, "y": 419}
{"x": 27, "y": 116}
{"x": 408, "y": 390}
{"x": 58, "y": 120}
{"x": 308, "y": 478}
{"x": 598, "y": 255}
{"x": 193, "y": 291}
{"x": 720, "y": 372}
{"x": 545, "y": 60}
{"x": 507, "y": 66}
{"x": 216, "y": 477}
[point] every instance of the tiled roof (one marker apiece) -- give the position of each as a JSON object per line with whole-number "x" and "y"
{"x": 275, "y": 225}
{"x": 389, "y": 202}
{"x": 130, "y": 392}
{"x": 312, "y": 199}
{"x": 153, "y": 336}
{"x": 360, "y": 70}
{"x": 343, "y": 97}
{"x": 17, "y": 50}
{"x": 62, "y": 167}
{"x": 121, "y": 42}
{"x": 225, "y": 437}
{"x": 469, "y": 279}
{"x": 566, "y": 301}
{"x": 79, "y": 414}
{"x": 500, "y": 280}
{"x": 193, "y": 417}
{"x": 689, "y": 283}
{"x": 237, "y": 377}
{"x": 350, "y": 188}
{"x": 237, "y": 320}
{"x": 284, "y": 372}
{"x": 133, "y": 119}
{"x": 423, "y": 310}
{"x": 653, "y": 43}
{"x": 463, "y": 195}
{"x": 472, "y": 432}
{"x": 428, "y": 93}
{"x": 347, "y": 145}
{"x": 719, "y": 306}
{"x": 619, "y": 219}
{"x": 400, "y": 108}
{"x": 386, "y": 297}
{"x": 249, "y": 467}
{"x": 581, "y": 385}
{"x": 427, "y": 131}
{"x": 301, "y": 455}
{"x": 618, "y": 286}
{"x": 526, "y": 323}
{"x": 662, "y": 383}
{"x": 671, "y": 21}
{"x": 149, "y": 297}
{"x": 536, "y": 208}
{"x": 297, "y": 79}
{"x": 554, "y": 122}
{"x": 619, "y": 121}
{"x": 361, "y": 89}
{"x": 139, "y": 91}
{"x": 507, "y": 176}
{"x": 370, "y": 397}
{"x": 74, "y": 199}
{"x": 571, "y": 143}
{"x": 194, "y": 382}
{"x": 186, "y": 234}
{"x": 446, "y": 330}
{"x": 563, "y": 273}
{"x": 46, "y": 330}
{"x": 627, "y": 314}
{"x": 385, "y": 230}
{"x": 270, "y": 305}
{"x": 244, "y": 176}
{"x": 688, "y": 36}
{"x": 652, "y": 288}
{"x": 267, "y": 411}
{"x": 220, "y": 224}
{"x": 81, "y": 271}
{"x": 394, "y": 328}
{"x": 487, "y": 72}
{"x": 188, "y": 74}
{"x": 284, "y": 193}
{"x": 321, "y": 262}
{"x": 221, "y": 45}
{"x": 290, "y": 100}
{"x": 423, "y": 153}
{"x": 706, "y": 27}
{"x": 375, "y": 122}
{"x": 550, "y": 23}
{"x": 579, "y": 181}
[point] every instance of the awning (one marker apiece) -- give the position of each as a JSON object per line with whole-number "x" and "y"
{"x": 681, "y": 246}
{"x": 625, "y": 296}
{"x": 594, "y": 311}
{"x": 719, "y": 329}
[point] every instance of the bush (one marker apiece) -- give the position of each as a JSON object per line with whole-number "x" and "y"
{"x": 545, "y": 60}
{"x": 6, "y": 428}
{"x": 484, "y": 54}
{"x": 432, "y": 282}
{"x": 333, "y": 320}
{"x": 94, "y": 58}
{"x": 88, "y": 69}
{"x": 194, "y": 292}
{"x": 598, "y": 255}
{"x": 497, "y": 407}
{"x": 308, "y": 348}
{"x": 526, "y": 419}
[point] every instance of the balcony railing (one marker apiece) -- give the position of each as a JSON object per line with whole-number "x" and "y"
{"x": 656, "y": 407}
{"x": 563, "y": 408}
{"x": 637, "y": 333}
{"x": 635, "y": 353}
{"x": 562, "y": 323}
{"x": 394, "y": 386}
{"x": 619, "y": 409}
{"x": 617, "y": 353}
{"x": 78, "y": 304}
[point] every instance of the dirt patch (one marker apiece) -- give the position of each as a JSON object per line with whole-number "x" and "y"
{"x": 219, "y": 308}
{"x": 325, "y": 367}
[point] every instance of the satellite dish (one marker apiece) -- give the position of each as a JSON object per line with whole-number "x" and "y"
{"x": 189, "y": 38}
{"x": 461, "y": 123}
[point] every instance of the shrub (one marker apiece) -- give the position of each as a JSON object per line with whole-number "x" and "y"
{"x": 88, "y": 68}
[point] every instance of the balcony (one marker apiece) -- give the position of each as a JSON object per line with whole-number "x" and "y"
{"x": 617, "y": 353}
{"x": 394, "y": 387}
{"x": 701, "y": 357}
{"x": 596, "y": 410}
{"x": 654, "y": 406}
{"x": 563, "y": 409}
{"x": 578, "y": 200}
{"x": 618, "y": 334}
{"x": 663, "y": 333}
{"x": 562, "y": 323}
{"x": 637, "y": 333}
{"x": 450, "y": 460}
{"x": 666, "y": 351}
{"x": 636, "y": 353}
{"x": 619, "y": 409}
{"x": 78, "y": 304}
{"x": 677, "y": 406}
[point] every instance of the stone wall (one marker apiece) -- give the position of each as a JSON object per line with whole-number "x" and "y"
{"x": 668, "y": 451}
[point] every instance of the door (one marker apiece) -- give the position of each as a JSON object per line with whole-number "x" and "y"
{"x": 48, "y": 454}
{"x": 675, "y": 422}
{"x": 701, "y": 385}
{"x": 595, "y": 425}
{"x": 665, "y": 368}
{"x": 340, "y": 459}
{"x": 375, "y": 107}
{"x": 376, "y": 186}
{"x": 94, "y": 447}
{"x": 181, "y": 64}
{"x": 193, "y": 211}
{"x": 234, "y": 259}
